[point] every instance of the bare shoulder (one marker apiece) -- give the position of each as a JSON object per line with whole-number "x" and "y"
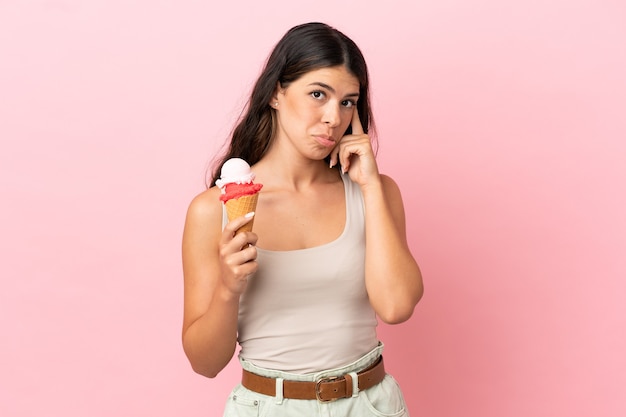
{"x": 390, "y": 188}
{"x": 204, "y": 215}
{"x": 205, "y": 205}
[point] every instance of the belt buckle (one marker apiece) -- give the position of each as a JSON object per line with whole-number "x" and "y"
{"x": 318, "y": 393}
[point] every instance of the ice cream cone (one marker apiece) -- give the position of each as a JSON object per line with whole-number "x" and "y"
{"x": 237, "y": 207}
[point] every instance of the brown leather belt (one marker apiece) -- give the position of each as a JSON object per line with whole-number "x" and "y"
{"x": 324, "y": 390}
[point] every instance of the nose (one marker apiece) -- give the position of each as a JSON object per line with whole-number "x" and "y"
{"x": 331, "y": 114}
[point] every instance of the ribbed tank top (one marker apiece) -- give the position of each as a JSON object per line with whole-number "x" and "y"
{"x": 307, "y": 310}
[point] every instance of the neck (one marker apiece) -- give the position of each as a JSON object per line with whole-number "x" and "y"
{"x": 282, "y": 169}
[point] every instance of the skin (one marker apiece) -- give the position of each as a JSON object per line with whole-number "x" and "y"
{"x": 300, "y": 194}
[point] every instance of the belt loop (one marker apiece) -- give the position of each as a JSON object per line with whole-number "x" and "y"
{"x": 355, "y": 384}
{"x": 279, "y": 391}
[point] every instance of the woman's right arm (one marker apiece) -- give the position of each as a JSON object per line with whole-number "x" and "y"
{"x": 215, "y": 269}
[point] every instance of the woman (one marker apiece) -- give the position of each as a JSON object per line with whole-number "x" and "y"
{"x": 300, "y": 294}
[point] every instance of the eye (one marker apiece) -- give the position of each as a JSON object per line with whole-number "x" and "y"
{"x": 348, "y": 103}
{"x": 318, "y": 95}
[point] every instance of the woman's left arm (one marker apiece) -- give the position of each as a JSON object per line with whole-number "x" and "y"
{"x": 392, "y": 277}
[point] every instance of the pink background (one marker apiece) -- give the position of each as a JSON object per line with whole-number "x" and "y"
{"x": 503, "y": 123}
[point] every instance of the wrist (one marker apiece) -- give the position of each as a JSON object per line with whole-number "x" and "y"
{"x": 374, "y": 186}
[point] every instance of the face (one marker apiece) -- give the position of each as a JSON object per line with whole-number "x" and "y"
{"x": 314, "y": 111}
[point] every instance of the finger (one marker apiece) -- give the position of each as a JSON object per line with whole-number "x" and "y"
{"x": 244, "y": 255}
{"x": 245, "y": 270}
{"x": 334, "y": 156}
{"x": 237, "y": 223}
{"x": 357, "y": 127}
{"x": 242, "y": 241}
{"x": 344, "y": 157}
{"x": 249, "y": 253}
{"x": 353, "y": 149}
{"x": 239, "y": 250}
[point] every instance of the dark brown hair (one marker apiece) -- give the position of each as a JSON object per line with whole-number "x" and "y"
{"x": 302, "y": 49}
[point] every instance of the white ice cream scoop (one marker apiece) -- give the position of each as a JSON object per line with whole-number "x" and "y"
{"x": 235, "y": 170}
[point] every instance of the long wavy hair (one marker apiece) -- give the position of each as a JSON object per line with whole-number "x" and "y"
{"x": 302, "y": 49}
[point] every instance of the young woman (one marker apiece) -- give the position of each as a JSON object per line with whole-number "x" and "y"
{"x": 328, "y": 254}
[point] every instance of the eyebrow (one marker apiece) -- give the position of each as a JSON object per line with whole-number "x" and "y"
{"x": 332, "y": 90}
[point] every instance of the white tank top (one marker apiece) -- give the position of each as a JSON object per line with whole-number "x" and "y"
{"x": 307, "y": 310}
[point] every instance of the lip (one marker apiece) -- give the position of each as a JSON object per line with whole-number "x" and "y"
{"x": 324, "y": 140}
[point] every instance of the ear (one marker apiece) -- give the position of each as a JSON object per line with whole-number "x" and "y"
{"x": 274, "y": 100}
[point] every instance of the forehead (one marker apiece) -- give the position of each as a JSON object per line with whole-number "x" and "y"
{"x": 338, "y": 78}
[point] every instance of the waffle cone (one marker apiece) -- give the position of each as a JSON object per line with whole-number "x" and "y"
{"x": 237, "y": 207}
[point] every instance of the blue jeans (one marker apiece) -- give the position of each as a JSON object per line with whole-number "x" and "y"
{"x": 382, "y": 400}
